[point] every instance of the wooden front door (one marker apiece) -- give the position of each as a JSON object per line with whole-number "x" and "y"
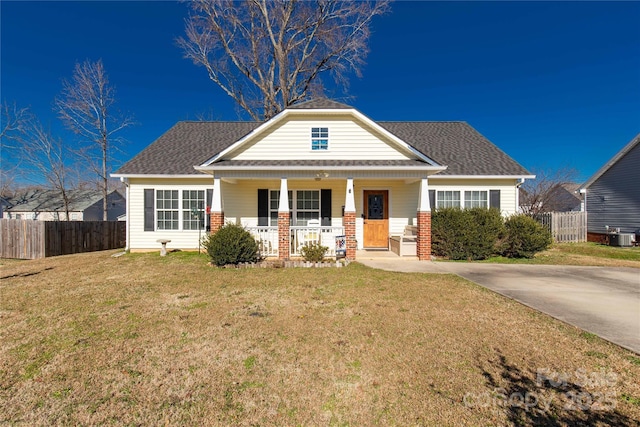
{"x": 376, "y": 219}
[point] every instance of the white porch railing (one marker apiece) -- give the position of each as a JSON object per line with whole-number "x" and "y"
{"x": 267, "y": 238}
{"x": 325, "y": 235}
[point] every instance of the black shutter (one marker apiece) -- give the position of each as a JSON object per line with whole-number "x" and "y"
{"x": 207, "y": 221}
{"x": 325, "y": 207}
{"x": 432, "y": 199}
{"x": 148, "y": 209}
{"x": 494, "y": 199}
{"x": 263, "y": 207}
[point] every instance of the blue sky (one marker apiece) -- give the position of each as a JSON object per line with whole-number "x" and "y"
{"x": 554, "y": 84}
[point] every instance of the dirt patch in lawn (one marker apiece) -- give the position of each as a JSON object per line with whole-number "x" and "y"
{"x": 141, "y": 339}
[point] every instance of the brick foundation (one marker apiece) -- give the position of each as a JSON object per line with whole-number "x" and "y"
{"x": 217, "y": 221}
{"x": 349, "y": 223}
{"x": 284, "y": 235}
{"x": 423, "y": 247}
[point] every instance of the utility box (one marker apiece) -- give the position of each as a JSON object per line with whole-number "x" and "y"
{"x": 622, "y": 239}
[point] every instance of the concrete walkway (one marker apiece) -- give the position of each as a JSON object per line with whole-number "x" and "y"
{"x": 601, "y": 300}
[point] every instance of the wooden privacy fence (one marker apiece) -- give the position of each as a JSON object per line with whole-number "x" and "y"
{"x": 565, "y": 227}
{"x": 29, "y": 239}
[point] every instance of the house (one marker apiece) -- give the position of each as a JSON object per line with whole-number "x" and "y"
{"x": 317, "y": 170}
{"x": 612, "y": 194}
{"x": 559, "y": 197}
{"x": 48, "y": 205}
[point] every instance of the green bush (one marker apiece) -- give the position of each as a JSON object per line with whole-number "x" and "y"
{"x": 313, "y": 252}
{"x": 469, "y": 234}
{"x": 524, "y": 236}
{"x": 232, "y": 244}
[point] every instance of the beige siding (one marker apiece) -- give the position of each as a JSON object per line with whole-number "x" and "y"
{"x": 240, "y": 202}
{"x": 348, "y": 140}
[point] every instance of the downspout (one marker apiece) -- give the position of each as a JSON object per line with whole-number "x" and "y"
{"x": 518, "y": 185}
{"x": 125, "y": 181}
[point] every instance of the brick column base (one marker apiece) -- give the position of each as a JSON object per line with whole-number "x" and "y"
{"x": 217, "y": 221}
{"x": 349, "y": 223}
{"x": 284, "y": 235}
{"x": 423, "y": 248}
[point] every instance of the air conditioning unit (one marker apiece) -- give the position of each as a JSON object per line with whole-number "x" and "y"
{"x": 621, "y": 239}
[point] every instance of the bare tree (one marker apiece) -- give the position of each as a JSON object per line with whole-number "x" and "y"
{"x": 48, "y": 157}
{"x": 13, "y": 123}
{"x": 548, "y": 192}
{"x": 268, "y": 54}
{"x": 87, "y": 107}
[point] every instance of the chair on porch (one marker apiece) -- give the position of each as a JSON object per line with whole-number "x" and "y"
{"x": 406, "y": 244}
{"x": 312, "y": 235}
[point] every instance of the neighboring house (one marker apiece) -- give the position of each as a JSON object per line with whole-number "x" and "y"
{"x": 613, "y": 194}
{"x": 48, "y": 205}
{"x": 4, "y": 204}
{"x": 563, "y": 197}
{"x": 340, "y": 173}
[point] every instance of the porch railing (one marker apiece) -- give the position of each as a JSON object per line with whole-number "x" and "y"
{"x": 324, "y": 235}
{"x": 267, "y": 238}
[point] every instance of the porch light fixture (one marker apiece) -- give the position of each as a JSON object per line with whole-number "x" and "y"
{"x": 321, "y": 174}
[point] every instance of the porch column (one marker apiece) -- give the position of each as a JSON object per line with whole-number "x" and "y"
{"x": 217, "y": 215}
{"x": 284, "y": 232}
{"x": 423, "y": 248}
{"x": 349, "y": 220}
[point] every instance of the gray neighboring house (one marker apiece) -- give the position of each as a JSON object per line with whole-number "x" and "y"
{"x": 613, "y": 194}
{"x": 47, "y": 205}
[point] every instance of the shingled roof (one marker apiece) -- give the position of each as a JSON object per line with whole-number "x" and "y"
{"x": 454, "y": 144}
{"x": 320, "y": 104}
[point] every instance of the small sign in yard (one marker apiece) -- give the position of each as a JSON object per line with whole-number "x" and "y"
{"x": 341, "y": 246}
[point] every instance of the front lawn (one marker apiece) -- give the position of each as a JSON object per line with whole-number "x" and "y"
{"x": 139, "y": 339}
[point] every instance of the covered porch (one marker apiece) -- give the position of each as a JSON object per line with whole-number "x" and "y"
{"x": 365, "y": 208}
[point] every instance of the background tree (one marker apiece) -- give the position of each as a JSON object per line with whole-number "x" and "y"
{"x": 13, "y": 124}
{"x": 87, "y": 107}
{"x": 548, "y": 191}
{"x": 268, "y": 54}
{"x": 43, "y": 155}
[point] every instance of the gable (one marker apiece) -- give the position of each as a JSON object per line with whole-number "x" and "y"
{"x": 347, "y": 140}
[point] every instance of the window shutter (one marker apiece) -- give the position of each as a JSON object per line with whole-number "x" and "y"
{"x": 325, "y": 207}
{"x": 263, "y": 207}
{"x": 207, "y": 222}
{"x": 432, "y": 199}
{"x": 494, "y": 199}
{"x": 148, "y": 209}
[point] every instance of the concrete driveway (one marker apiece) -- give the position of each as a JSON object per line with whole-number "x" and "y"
{"x": 601, "y": 300}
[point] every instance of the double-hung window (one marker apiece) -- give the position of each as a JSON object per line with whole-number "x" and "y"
{"x": 448, "y": 199}
{"x": 304, "y": 205}
{"x": 193, "y": 209}
{"x": 475, "y": 199}
{"x": 167, "y": 212}
{"x": 319, "y": 139}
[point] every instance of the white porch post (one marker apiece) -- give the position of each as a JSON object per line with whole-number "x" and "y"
{"x": 423, "y": 243}
{"x": 349, "y": 220}
{"x": 217, "y": 214}
{"x": 284, "y": 233}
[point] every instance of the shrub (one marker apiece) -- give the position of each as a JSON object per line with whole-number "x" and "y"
{"x": 232, "y": 244}
{"x": 524, "y": 236}
{"x": 313, "y": 252}
{"x": 469, "y": 234}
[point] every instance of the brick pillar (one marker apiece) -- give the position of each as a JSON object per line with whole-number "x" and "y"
{"x": 424, "y": 236}
{"x": 284, "y": 235}
{"x": 217, "y": 221}
{"x": 349, "y": 223}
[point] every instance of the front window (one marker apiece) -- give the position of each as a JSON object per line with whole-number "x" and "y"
{"x": 448, "y": 199}
{"x": 475, "y": 199}
{"x": 193, "y": 209}
{"x": 319, "y": 139}
{"x": 304, "y": 205}
{"x": 167, "y": 212}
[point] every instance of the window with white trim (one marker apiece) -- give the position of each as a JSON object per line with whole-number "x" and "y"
{"x": 448, "y": 199}
{"x": 167, "y": 212}
{"x": 304, "y": 205}
{"x": 319, "y": 139}
{"x": 193, "y": 209}
{"x": 476, "y": 199}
